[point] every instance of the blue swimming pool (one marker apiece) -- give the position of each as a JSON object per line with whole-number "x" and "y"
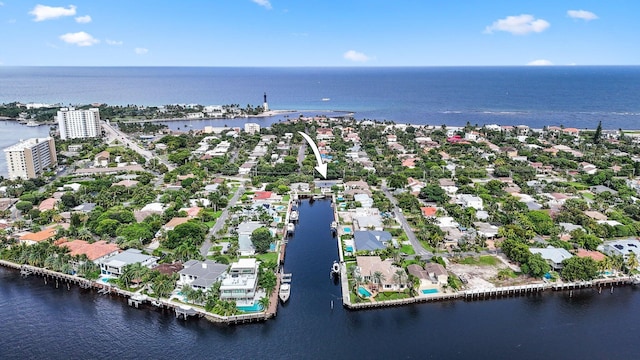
{"x": 349, "y": 248}
{"x": 364, "y": 292}
{"x": 430, "y": 291}
{"x": 346, "y": 230}
{"x": 255, "y": 308}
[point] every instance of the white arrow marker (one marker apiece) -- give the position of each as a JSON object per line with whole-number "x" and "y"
{"x": 322, "y": 167}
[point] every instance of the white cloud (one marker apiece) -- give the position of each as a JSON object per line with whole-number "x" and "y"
{"x": 264, "y": 3}
{"x": 141, "y": 51}
{"x": 83, "y": 19}
{"x": 518, "y": 25}
{"x": 582, "y": 14}
{"x": 80, "y": 39}
{"x": 1, "y": 3}
{"x": 113, "y": 42}
{"x": 44, "y": 12}
{"x": 356, "y": 56}
{"x": 540, "y": 62}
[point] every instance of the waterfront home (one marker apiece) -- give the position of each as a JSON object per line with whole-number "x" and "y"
{"x": 371, "y": 240}
{"x": 241, "y": 282}
{"x": 367, "y": 218}
{"x": 95, "y": 252}
{"x": 393, "y": 278}
{"x": 201, "y": 275}
{"x": 34, "y": 238}
{"x": 595, "y": 255}
{"x": 553, "y": 256}
{"x": 365, "y": 200}
{"x": 114, "y": 265}
{"x": 622, "y": 248}
{"x": 437, "y": 273}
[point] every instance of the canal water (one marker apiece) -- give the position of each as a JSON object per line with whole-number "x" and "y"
{"x": 42, "y": 321}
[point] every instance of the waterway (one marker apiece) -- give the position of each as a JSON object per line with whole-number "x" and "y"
{"x": 42, "y": 321}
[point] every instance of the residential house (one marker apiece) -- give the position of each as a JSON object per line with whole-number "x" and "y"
{"x": 595, "y": 255}
{"x": 467, "y": 200}
{"x": 393, "y": 278}
{"x": 201, "y": 275}
{"x": 553, "y": 256}
{"x": 367, "y": 219}
{"x": 48, "y": 204}
{"x": 622, "y": 248}
{"x": 102, "y": 159}
{"x": 95, "y": 252}
{"x": 34, "y": 238}
{"x": 171, "y": 225}
{"x": 588, "y": 168}
{"x": 449, "y": 186}
{"x": 365, "y": 200}
{"x": 245, "y": 229}
{"x": 437, "y": 273}
{"x": 114, "y": 265}
{"x": 429, "y": 211}
{"x": 241, "y": 282}
{"x": 371, "y": 240}
{"x": 485, "y": 229}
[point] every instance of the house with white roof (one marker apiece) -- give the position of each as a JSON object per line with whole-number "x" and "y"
{"x": 114, "y": 265}
{"x": 553, "y": 256}
{"x": 467, "y": 200}
{"x": 241, "y": 282}
{"x": 622, "y": 248}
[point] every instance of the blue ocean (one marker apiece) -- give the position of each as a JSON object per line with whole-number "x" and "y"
{"x": 572, "y": 96}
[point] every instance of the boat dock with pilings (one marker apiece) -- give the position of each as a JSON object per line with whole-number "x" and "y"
{"x": 182, "y": 311}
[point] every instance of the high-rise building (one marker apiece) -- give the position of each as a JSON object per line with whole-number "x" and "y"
{"x": 29, "y": 158}
{"x": 252, "y": 128}
{"x": 77, "y": 124}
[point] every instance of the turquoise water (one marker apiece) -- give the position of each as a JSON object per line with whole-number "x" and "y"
{"x": 280, "y": 208}
{"x": 277, "y": 218}
{"x": 430, "y": 291}
{"x": 347, "y": 230}
{"x": 256, "y": 307}
{"x": 349, "y": 248}
{"x": 105, "y": 280}
{"x": 272, "y": 247}
{"x": 364, "y": 292}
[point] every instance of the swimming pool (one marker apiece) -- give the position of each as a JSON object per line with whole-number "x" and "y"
{"x": 105, "y": 280}
{"x": 364, "y": 292}
{"x": 430, "y": 291}
{"x": 346, "y": 230}
{"x": 256, "y": 307}
{"x": 349, "y": 248}
{"x": 280, "y": 208}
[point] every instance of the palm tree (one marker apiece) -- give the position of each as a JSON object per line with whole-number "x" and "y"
{"x": 162, "y": 286}
{"x": 399, "y": 277}
{"x": 377, "y": 278}
{"x": 632, "y": 262}
{"x": 264, "y": 302}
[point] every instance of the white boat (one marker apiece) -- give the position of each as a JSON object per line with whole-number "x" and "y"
{"x": 334, "y": 226}
{"x": 326, "y": 99}
{"x": 294, "y": 216}
{"x": 33, "y": 124}
{"x": 335, "y": 269}
{"x": 318, "y": 197}
{"x": 285, "y": 292}
{"x": 290, "y": 228}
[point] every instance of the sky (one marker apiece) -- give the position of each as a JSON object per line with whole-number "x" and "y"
{"x": 319, "y": 32}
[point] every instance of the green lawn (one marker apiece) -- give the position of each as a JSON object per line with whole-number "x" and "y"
{"x": 391, "y": 296}
{"x": 588, "y": 195}
{"x": 270, "y": 256}
{"x": 407, "y": 249}
{"x": 286, "y": 198}
{"x": 485, "y": 260}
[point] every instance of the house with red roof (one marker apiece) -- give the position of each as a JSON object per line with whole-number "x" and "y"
{"x": 48, "y": 204}
{"x": 94, "y": 251}
{"x": 34, "y": 238}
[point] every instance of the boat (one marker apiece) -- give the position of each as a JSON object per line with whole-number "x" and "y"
{"x": 326, "y": 99}
{"x": 33, "y": 123}
{"x": 335, "y": 269}
{"x": 294, "y": 215}
{"x": 334, "y": 226}
{"x": 285, "y": 292}
{"x": 290, "y": 228}
{"x": 318, "y": 197}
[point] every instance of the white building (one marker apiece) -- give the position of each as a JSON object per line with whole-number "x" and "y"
{"x": 29, "y": 158}
{"x": 114, "y": 265}
{"x": 252, "y": 128}
{"x": 621, "y": 247}
{"x": 75, "y": 124}
{"x": 467, "y": 200}
{"x": 241, "y": 282}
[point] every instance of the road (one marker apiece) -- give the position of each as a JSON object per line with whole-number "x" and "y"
{"x": 204, "y": 249}
{"x": 405, "y": 225}
{"x": 115, "y": 134}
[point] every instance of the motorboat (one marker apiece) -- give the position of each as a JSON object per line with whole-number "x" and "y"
{"x": 294, "y": 215}
{"x": 285, "y": 292}
{"x": 335, "y": 269}
{"x": 290, "y": 228}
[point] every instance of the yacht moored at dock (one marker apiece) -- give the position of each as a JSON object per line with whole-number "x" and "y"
{"x": 294, "y": 215}
{"x": 290, "y": 228}
{"x": 335, "y": 269}
{"x": 285, "y": 292}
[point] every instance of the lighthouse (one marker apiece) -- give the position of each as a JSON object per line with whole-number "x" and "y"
{"x": 265, "y": 104}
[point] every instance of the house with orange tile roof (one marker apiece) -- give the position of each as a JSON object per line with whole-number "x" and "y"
{"x": 262, "y": 195}
{"x": 429, "y": 211}
{"x": 48, "y": 204}
{"x": 102, "y": 159}
{"x": 94, "y": 251}
{"x": 409, "y": 162}
{"x": 34, "y": 238}
{"x": 192, "y": 211}
{"x": 595, "y": 255}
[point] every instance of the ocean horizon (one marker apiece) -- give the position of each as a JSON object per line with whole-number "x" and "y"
{"x": 573, "y": 96}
